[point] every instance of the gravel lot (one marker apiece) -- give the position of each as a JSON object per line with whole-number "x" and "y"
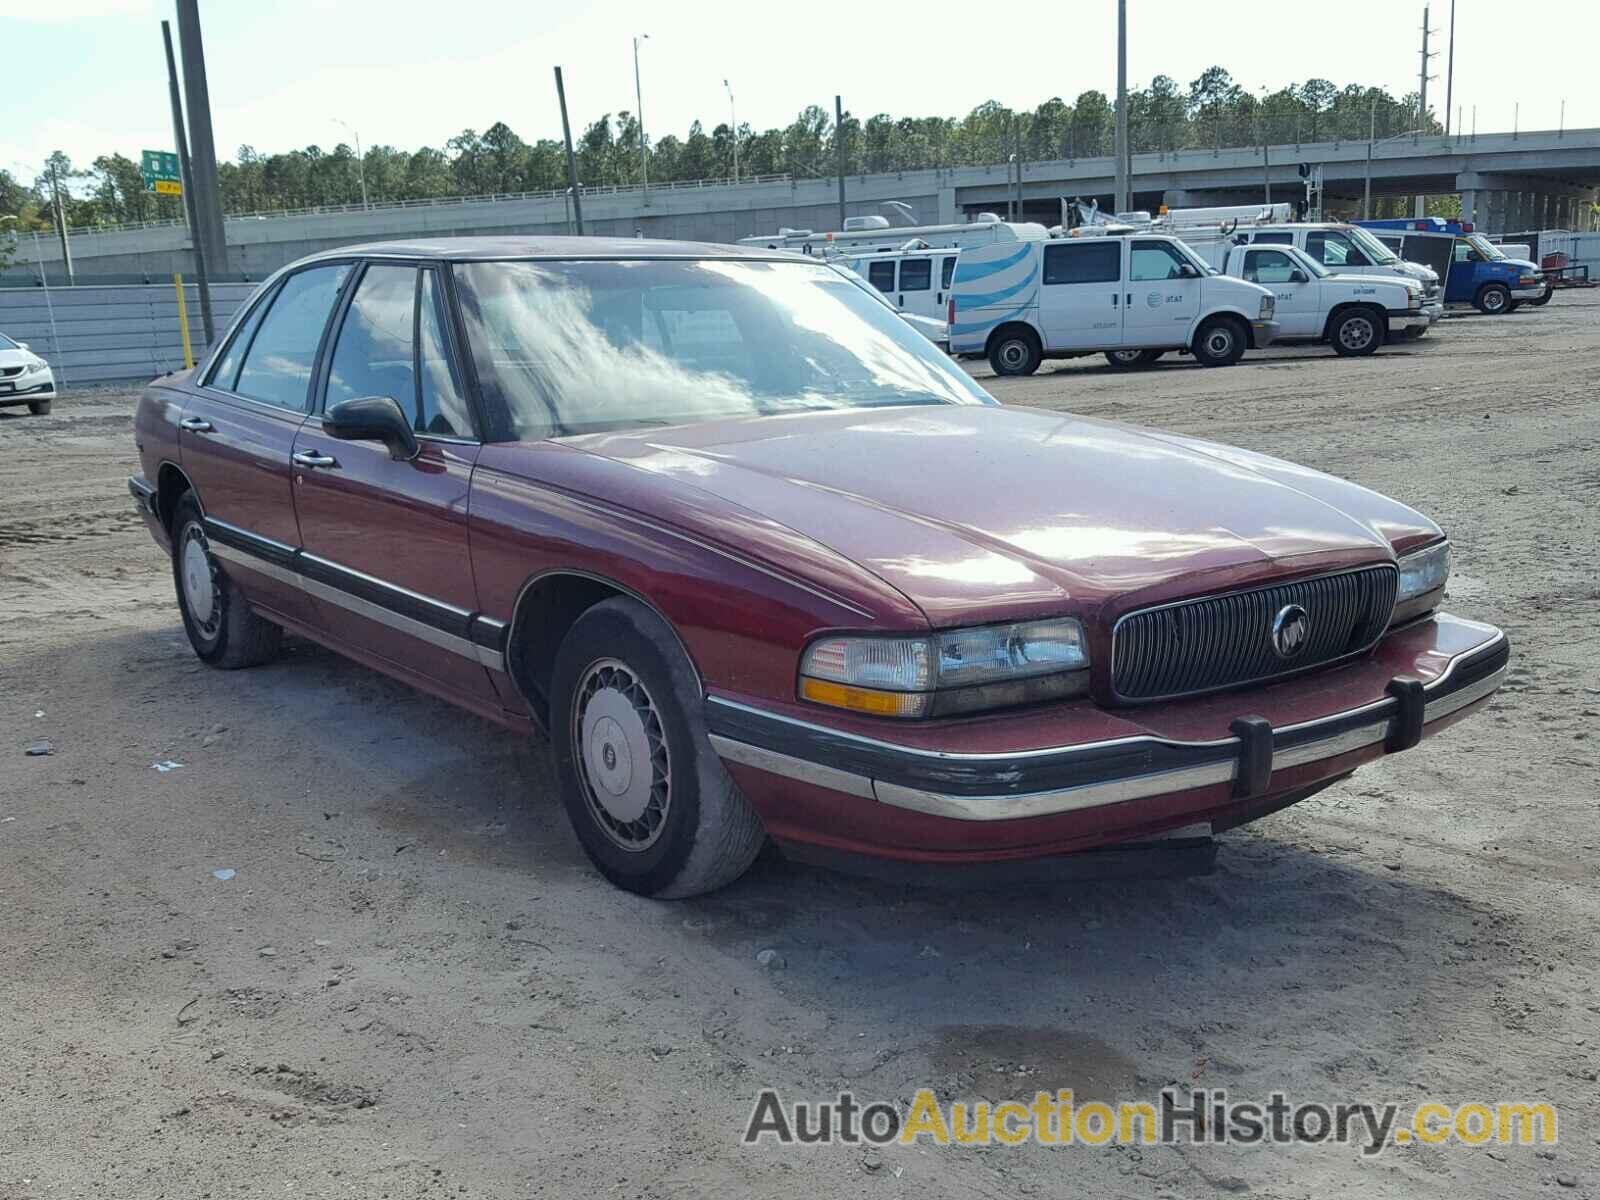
{"x": 414, "y": 984}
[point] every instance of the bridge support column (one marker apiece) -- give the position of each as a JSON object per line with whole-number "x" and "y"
{"x": 949, "y": 214}
{"x": 1469, "y": 205}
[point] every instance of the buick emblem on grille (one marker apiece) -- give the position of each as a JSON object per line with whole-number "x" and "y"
{"x": 1290, "y": 630}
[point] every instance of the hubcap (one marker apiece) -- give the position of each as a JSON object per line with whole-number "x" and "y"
{"x": 1220, "y": 343}
{"x": 1493, "y": 301}
{"x": 1356, "y": 334}
{"x": 199, "y": 584}
{"x": 621, "y": 751}
{"x": 1125, "y": 356}
{"x": 1013, "y": 354}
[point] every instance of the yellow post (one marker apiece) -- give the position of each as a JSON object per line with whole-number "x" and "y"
{"x": 183, "y": 321}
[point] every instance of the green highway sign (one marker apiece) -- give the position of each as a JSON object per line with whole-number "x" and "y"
{"x": 160, "y": 170}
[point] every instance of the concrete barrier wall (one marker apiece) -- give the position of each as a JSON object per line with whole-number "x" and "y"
{"x": 112, "y": 334}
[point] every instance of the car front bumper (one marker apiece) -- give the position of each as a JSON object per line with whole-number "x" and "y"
{"x": 1264, "y": 333}
{"x": 1535, "y": 292}
{"x": 28, "y": 389}
{"x": 1402, "y": 319}
{"x": 1065, "y": 778}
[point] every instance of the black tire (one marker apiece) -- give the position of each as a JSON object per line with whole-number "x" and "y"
{"x": 1544, "y": 299}
{"x": 1357, "y": 332}
{"x": 1492, "y": 300}
{"x": 39, "y": 408}
{"x": 1015, "y": 351}
{"x": 230, "y": 634}
{"x": 1514, "y": 305}
{"x": 686, "y": 828}
{"x": 1124, "y": 360}
{"x": 1219, "y": 342}
{"x": 1416, "y": 332}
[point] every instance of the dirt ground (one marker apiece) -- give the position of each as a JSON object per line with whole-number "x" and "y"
{"x": 415, "y": 985}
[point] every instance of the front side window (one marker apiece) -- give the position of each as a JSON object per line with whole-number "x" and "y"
{"x": 1268, "y": 266}
{"x": 881, "y": 275}
{"x": 373, "y": 356}
{"x": 1152, "y": 261}
{"x": 277, "y": 364}
{"x": 916, "y": 275}
{"x": 1083, "y": 262}
{"x": 564, "y": 348}
{"x": 1333, "y": 249}
{"x": 443, "y": 400}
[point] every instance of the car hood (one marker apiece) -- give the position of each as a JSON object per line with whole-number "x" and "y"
{"x": 989, "y": 513}
{"x": 1417, "y": 271}
{"x": 16, "y": 358}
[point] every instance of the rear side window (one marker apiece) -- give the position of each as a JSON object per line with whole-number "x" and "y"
{"x": 916, "y": 275}
{"x": 226, "y": 372}
{"x": 1083, "y": 262}
{"x": 881, "y": 276}
{"x": 1274, "y": 239}
{"x": 947, "y": 272}
{"x": 1268, "y": 266}
{"x": 277, "y": 364}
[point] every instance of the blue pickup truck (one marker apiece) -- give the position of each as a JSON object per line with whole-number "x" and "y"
{"x": 1474, "y": 269}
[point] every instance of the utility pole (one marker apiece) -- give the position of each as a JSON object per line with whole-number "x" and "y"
{"x": 1450, "y": 74}
{"x": 638, "y": 95}
{"x": 572, "y": 159}
{"x": 207, "y": 198}
{"x": 186, "y": 174}
{"x": 733, "y": 119}
{"x": 361, "y": 160}
{"x": 838, "y": 139}
{"x": 1372, "y": 134}
{"x": 61, "y": 221}
{"x": 1123, "y": 201}
{"x": 1016, "y": 140}
{"x": 1419, "y": 204}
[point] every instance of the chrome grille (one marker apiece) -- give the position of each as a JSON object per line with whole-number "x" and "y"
{"x": 1221, "y": 641}
{"x": 7, "y": 372}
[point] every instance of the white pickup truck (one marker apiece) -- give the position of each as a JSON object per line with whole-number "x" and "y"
{"x": 1130, "y": 296}
{"x": 1354, "y": 313}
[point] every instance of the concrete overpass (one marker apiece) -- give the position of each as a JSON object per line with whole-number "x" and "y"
{"x": 1506, "y": 181}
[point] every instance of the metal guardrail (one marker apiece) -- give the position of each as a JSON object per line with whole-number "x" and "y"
{"x": 440, "y": 202}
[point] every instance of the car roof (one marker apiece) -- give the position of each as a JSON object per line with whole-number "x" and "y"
{"x": 479, "y": 249}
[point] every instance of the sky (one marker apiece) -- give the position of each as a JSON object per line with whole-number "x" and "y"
{"x": 409, "y": 73}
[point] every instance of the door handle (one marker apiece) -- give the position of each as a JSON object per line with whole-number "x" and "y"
{"x": 314, "y": 458}
{"x": 1116, "y": 298}
{"x": 900, "y": 300}
{"x": 938, "y": 297}
{"x": 197, "y": 425}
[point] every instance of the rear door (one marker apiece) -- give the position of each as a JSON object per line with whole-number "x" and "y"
{"x": 880, "y": 274}
{"x": 1080, "y": 301}
{"x": 915, "y": 291}
{"x": 947, "y": 274}
{"x": 1299, "y": 304}
{"x": 238, "y": 429}
{"x": 385, "y": 542}
{"x": 1161, "y": 302}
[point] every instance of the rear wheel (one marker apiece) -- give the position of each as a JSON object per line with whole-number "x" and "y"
{"x": 1545, "y": 298}
{"x": 224, "y": 631}
{"x": 1356, "y": 332}
{"x": 1125, "y": 359}
{"x": 39, "y": 408}
{"x": 1220, "y": 342}
{"x": 1493, "y": 299}
{"x": 1015, "y": 351}
{"x": 648, "y": 797}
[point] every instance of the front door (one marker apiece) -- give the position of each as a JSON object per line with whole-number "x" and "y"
{"x": 385, "y": 542}
{"x": 1162, "y": 299}
{"x": 1080, "y": 302}
{"x": 237, "y": 433}
{"x": 1299, "y": 304}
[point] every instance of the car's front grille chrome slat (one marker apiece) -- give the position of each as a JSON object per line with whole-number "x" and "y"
{"x": 1222, "y": 641}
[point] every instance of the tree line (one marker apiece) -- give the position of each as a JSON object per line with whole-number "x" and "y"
{"x": 1214, "y": 111}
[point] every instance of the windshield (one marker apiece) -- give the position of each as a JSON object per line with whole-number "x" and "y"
{"x": 1486, "y": 248}
{"x": 1375, "y": 250}
{"x": 7, "y": 344}
{"x": 565, "y": 348}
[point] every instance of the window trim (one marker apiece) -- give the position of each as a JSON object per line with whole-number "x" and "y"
{"x": 894, "y": 273}
{"x": 947, "y": 271}
{"x": 270, "y": 296}
{"x": 1066, "y": 247}
{"x": 926, "y": 260}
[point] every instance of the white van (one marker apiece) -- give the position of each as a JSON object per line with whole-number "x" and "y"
{"x": 914, "y": 281}
{"x": 1129, "y": 296}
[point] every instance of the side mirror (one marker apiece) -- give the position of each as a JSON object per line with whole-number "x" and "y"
{"x": 372, "y": 419}
{"x": 1299, "y": 276}
{"x": 22, "y": 345}
{"x": 1188, "y": 271}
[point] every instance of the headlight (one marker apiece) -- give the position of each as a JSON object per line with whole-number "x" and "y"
{"x": 1422, "y": 580}
{"x": 1268, "y": 307}
{"x": 961, "y": 670}
{"x": 1416, "y": 300}
{"x": 1529, "y": 281}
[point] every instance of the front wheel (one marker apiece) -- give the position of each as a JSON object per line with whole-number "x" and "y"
{"x": 1016, "y": 352}
{"x": 649, "y": 799}
{"x": 1124, "y": 359}
{"x": 1545, "y": 298}
{"x": 1219, "y": 343}
{"x": 222, "y": 628}
{"x": 1356, "y": 333}
{"x": 1493, "y": 300}
{"x": 39, "y": 408}
{"x": 1415, "y": 332}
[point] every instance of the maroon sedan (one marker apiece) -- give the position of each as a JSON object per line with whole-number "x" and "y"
{"x": 764, "y": 563}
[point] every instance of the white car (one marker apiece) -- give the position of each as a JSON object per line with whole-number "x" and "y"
{"x": 25, "y": 378}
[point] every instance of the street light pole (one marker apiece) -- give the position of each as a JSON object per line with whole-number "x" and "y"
{"x": 61, "y": 221}
{"x": 361, "y": 162}
{"x": 733, "y": 118}
{"x": 1123, "y": 201}
{"x": 638, "y": 95}
{"x": 1372, "y": 132}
